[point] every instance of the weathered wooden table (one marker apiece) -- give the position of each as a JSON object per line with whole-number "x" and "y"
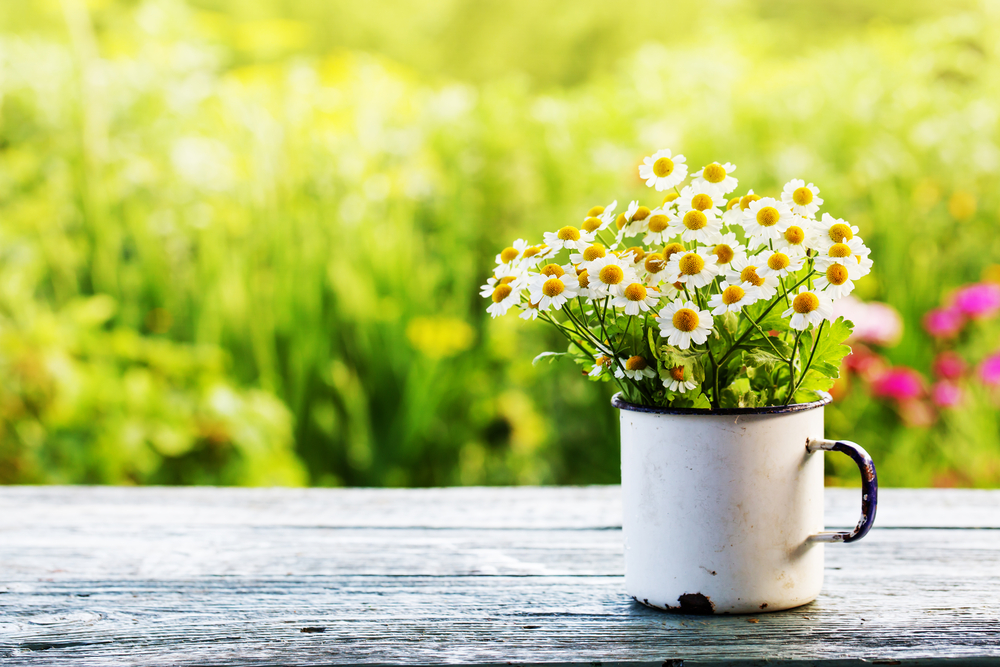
{"x": 204, "y": 576}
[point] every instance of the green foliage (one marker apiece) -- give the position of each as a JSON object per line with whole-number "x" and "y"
{"x": 299, "y": 215}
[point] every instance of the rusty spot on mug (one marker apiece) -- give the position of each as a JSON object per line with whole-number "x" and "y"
{"x": 764, "y": 606}
{"x": 711, "y": 572}
{"x": 696, "y": 603}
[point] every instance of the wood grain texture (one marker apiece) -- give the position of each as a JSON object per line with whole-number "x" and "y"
{"x": 197, "y": 576}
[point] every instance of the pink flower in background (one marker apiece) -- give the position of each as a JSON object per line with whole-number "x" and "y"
{"x": 949, "y": 365}
{"x": 900, "y": 383}
{"x": 874, "y": 322}
{"x": 979, "y": 300}
{"x": 946, "y": 394}
{"x": 944, "y": 322}
{"x": 989, "y": 370}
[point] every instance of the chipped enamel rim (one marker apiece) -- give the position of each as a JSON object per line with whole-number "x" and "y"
{"x": 622, "y": 404}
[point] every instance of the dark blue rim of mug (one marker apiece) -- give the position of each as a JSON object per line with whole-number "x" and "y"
{"x": 622, "y": 404}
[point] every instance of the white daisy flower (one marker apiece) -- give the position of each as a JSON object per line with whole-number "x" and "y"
{"x": 701, "y": 197}
{"x": 658, "y": 226}
{"x": 602, "y": 364}
{"x": 838, "y": 279}
{"x": 727, "y": 249}
{"x": 599, "y": 217}
{"x": 743, "y": 269}
{"x": 670, "y": 200}
{"x": 846, "y": 251}
{"x": 516, "y": 279}
{"x": 586, "y": 258}
{"x": 865, "y": 262}
{"x": 733, "y": 214}
{"x": 654, "y": 268}
{"x": 569, "y": 237}
{"x": 766, "y": 219}
{"x": 504, "y": 296}
{"x": 529, "y": 311}
{"x": 733, "y": 298}
{"x": 583, "y": 279}
{"x": 809, "y": 307}
{"x": 662, "y": 170}
{"x": 694, "y": 225}
{"x": 692, "y": 269}
{"x": 803, "y": 199}
{"x": 679, "y": 381}
{"x": 781, "y": 263}
{"x": 636, "y": 368}
{"x": 512, "y": 253}
{"x": 800, "y": 234}
{"x": 718, "y": 175}
{"x": 554, "y": 288}
{"x": 632, "y": 222}
{"x": 636, "y": 298}
{"x": 681, "y": 323}
{"x": 832, "y": 230}
{"x": 609, "y": 275}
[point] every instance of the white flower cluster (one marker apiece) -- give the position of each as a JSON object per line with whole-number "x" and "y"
{"x": 700, "y": 253}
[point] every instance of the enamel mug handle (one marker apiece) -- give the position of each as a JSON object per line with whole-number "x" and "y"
{"x": 869, "y": 488}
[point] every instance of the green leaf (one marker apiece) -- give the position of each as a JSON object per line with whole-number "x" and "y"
{"x": 830, "y": 349}
{"x": 550, "y": 356}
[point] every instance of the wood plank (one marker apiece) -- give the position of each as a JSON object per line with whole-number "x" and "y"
{"x": 566, "y": 508}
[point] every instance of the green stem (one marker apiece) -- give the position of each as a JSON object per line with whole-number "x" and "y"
{"x": 808, "y": 363}
{"x": 791, "y": 367}
{"x": 758, "y": 321}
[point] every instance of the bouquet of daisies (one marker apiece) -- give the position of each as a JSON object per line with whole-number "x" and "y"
{"x": 707, "y": 298}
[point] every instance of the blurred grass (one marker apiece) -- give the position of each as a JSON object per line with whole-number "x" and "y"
{"x": 298, "y": 201}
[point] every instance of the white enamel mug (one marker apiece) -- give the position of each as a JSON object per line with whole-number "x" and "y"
{"x": 723, "y": 509}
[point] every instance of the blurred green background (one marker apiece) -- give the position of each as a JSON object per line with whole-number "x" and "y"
{"x": 241, "y": 241}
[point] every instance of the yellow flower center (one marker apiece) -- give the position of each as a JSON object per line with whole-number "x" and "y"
{"x": 695, "y": 220}
{"x": 584, "y": 278}
{"x": 569, "y": 233}
{"x": 701, "y": 202}
{"x": 685, "y": 320}
{"x": 749, "y": 275}
{"x": 637, "y": 253}
{"x": 671, "y": 248}
{"x": 677, "y": 373}
{"x": 508, "y": 255}
{"x": 802, "y": 196}
{"x": 714, "y": 173}
{"x": 655, "y": 262}
{"x": 795, "y": 235}
{"x": 723, "y": 254}
{"x": 732, "y": 202}
{"x": 670, "y": 197}
{"x": 732, "y": 294}
{"x": 602, "y": 361}
{"x": 635, "y": 363}
{"x": 691, "y": 264}
{"x": 747, "y": 200}
{"x": 591, "y": 224}
{"x": 595, "y": 211}
{"x": 592, "y": 252}
{"x": 611, "y": 274}
{"x": 657, "y": 223}
{"x": 553, "y": 271}
{"x": 767, "y": 216}
{"x": 663, "y": 167}
{"x": 840, "y": 250}
{"x": 553, "y": 287}
{"x": 532, "y": 251}
{"x": 620, "y": 221}
{"x": 778, "y": 261}
{"x": 641, "y": 213}
{"x": 506, "y": 280}
{"x": 635, "y": 292}
{"x": 837, "y": 274}
{"x": 501, "y": 292}
{"x": 806, "y": 302}
{"x": 840, "y": 233}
